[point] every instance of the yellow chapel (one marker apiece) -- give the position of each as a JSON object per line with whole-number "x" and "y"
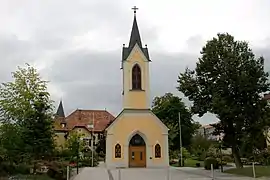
{"x": 137, "y": 137}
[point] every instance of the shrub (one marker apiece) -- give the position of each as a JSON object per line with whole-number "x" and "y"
{"x": 87, "y": 162}
{"x": 210, "y": 160}
{"x": 7, "y": 168}
{"x": 198, "y": 164}
{"x": 227, "y": 158}
{"x": 57, "y": 170}
{"x": 22, "y": 169}
{"x": 219, "y": 161}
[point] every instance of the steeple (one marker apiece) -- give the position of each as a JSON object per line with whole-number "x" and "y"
{"x": 60, "y": 110}
{"x": 135, "y": 34}
{"x": 135, "y": 38}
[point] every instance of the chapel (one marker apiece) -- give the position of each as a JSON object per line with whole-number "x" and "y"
{"x": 136, "y": 137}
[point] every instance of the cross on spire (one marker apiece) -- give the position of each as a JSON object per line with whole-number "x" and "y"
{"x": 134, "y": 9}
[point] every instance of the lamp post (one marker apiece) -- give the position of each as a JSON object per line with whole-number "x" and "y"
{"x": 78, "y": 146}
{"x": 220, "y": 150}
{"x": 180, "y": 139}
{"x": 92, "y": 139}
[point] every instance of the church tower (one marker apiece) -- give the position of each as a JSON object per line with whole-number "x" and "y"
{"x": 135, "y": 67}
{"x": 129, "y": 140}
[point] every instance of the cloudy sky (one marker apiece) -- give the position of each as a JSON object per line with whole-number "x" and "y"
{"x": 76, "y": 45}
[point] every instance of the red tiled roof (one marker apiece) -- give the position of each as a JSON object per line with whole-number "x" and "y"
{"x": 82, "y": 118}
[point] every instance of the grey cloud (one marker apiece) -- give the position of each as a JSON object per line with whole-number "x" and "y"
{"x": 89, "y": 79}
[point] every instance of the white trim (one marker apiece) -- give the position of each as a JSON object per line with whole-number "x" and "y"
{"x": 135, "y": 49}
{"x": 165, "y": 128}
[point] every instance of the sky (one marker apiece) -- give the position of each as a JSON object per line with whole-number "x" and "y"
{"x": 76, "y": 45}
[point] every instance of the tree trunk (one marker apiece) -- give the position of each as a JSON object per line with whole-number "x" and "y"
{"x": 236, "y": 156}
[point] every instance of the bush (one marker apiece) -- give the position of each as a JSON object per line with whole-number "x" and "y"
{"x": 87, "y": 162}
{"x": 57, "y": 170}
{"x": 219, "y": 161}
{"x": 227, "y": 158}
{"x": 7, "y": 168}
{"x": 198, "y": 164}
{"x": 22, "y": 169}
{"x": 210, "y": 160}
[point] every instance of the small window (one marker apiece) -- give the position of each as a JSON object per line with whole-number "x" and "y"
{"x": 117, "y": 151}
{"x": 157, "y": 151}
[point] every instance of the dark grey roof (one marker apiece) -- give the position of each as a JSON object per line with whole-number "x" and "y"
{"x": 60, "y": 111}
{"x": 135, "y": 38}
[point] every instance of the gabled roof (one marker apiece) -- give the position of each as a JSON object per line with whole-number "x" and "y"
{"x": 135, "y": 38}
{"x": 137, "y": 111}
{"x": 83, "y": 118}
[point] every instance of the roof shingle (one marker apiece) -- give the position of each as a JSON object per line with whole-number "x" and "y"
{"x": 83, "y": 118}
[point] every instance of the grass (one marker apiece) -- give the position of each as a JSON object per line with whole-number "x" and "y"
{"x": 247, "y": 171}
{"x": 32, "y": 177}
{"x": 190, "y": 163}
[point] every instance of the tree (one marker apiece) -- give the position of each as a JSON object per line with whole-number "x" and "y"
{"x": 74, "y": 144}
{"x": 26, "y": 104}
{"x": 229, "y": 81}
{"x": 10, "y": 143}
{"x": 167, "y": 108}
{"x": 200, "y": 145}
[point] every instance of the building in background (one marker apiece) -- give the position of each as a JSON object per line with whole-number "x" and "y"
{"x": 207, "y": 132}
{"x": 90, "y": 124}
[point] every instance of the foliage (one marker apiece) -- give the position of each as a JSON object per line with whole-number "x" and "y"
{"x": 227, "y": 158}
{"x": 200, "y": 146}
{"x": 74, "y": 144}
{"x": 7, "y": 168}
{"x": 228, "y": 81}
{"x": 101, "y": 146}
{"x": 208, "y": 161}
{"x": 26, "y": 131}
{"x": 10, "y": 142}
{"x": 57, "y": 170}
{"x": 167, "y": 109}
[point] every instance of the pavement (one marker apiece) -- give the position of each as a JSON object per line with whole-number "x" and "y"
{"x": 172, "y": 173}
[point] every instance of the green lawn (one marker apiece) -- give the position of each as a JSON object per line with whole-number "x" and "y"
{"x": 190, "y": 163}
{"x": 247, "y": 171}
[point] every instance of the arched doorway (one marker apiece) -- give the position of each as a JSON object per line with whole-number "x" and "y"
{"x": 137, "y": 152}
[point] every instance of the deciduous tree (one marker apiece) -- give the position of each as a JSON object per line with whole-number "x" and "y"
{"x": 228, "y": 81}
{"x": 25, "y": 103}
{"x": 167, "y": 108}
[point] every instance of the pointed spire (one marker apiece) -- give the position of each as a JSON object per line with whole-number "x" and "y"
{"x": 135, "y": 34}
{"x": 134, "y": 38}
{"x": 60, "y": 111}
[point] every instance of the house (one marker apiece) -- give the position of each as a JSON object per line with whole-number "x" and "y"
{"x": 88, "y": 123}
{"x": 207, "y": 132}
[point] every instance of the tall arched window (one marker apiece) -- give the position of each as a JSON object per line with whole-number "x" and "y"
{"x": 136, "y": 77}
{"x": 157, "y": 151}
{"x": 117, "y": 150}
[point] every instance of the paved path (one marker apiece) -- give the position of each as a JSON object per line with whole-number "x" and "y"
{"x": 101, "y": 173}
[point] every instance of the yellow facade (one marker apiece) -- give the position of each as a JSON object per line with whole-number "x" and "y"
{"x": 136, "y": 99}
{"x": 60, "y": 139}
{"x": 141, "y": 138}
{"x": 147, "y": 125}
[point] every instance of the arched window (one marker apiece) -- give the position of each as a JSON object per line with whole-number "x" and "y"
{"x": 136, "y": 77}
{"x": 117, "y": 151}
{"x": 157, "y": 151}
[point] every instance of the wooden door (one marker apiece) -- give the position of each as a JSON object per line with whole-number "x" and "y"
{"x": 137, "y": 156}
